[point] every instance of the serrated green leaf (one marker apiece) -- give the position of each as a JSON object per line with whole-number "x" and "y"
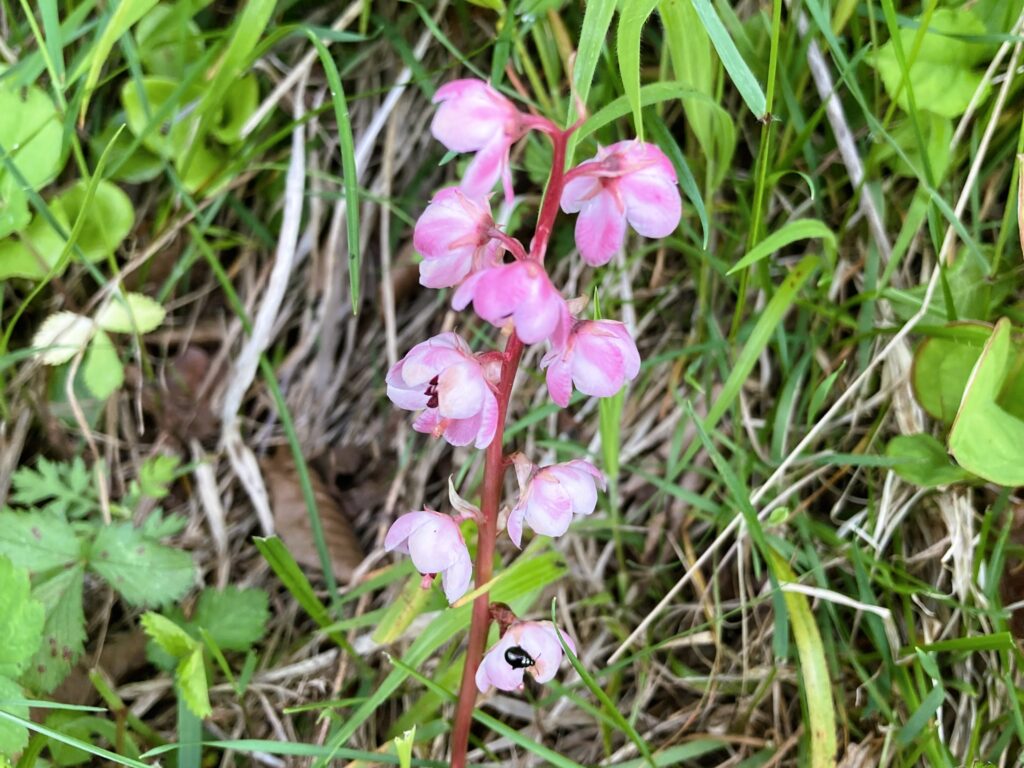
{"x": 102, "y": 370}
{"x": 38, "y": 541}
{"x": 21, "y": 619}
{"x": 61, "y": 488}
{"x": 141, "y": 570}
{"x": 13, "y": 736}
{"x": 63, "y": 637}
{"x": 131, "y": 313}
{"x": 158, "y": 526}
{"x": 945, "y": 74}
{"x": 235, "y": 618}
{"x": 191, "y": 676}
{"x": 168, "y": 635}
{"x": 924, "y": 461}
{"x": 156, "y": 474}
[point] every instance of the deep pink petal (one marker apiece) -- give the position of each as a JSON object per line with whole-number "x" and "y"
{"x": 559, "y": 378}
{"x": 427, "y": 422}
{"x": 429, "y": 358}
{"x": 600, "y": 229}
{"x": 597, "y": 366}
{"x": 653, "y": 205}
{"x": 469, "y": 114}
{"x": 465, "y": 292}
{"x": 486, "y": 167}
{"x": 460, "y": 390}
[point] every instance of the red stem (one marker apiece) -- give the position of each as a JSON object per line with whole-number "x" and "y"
{"x": 494, "y": 473}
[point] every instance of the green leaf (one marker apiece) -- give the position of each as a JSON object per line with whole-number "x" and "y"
{"x": 235, "y": 618}
{"x": 102, "y": 370}
{"x": 63, "y": 638}
{"x": 941, "y": 369}
{"x": 32, "y": 135}
{"x": 632, "y": 17}
{"x": 985, "y": 439}
{"x": 239, "y": 104}
{"x": 790, "y": 232}
{"x": 13, "y": 736}
{"x": 733, "y": 62}
{"x": 108, "y": 217}
{"x": 37, "y": 249}
{"x": 191, "y": 676}
{"x": 21, "y": 620}
{"x": 168, "y": 40}
{"x": 141, "y": 570}
{"x": 945, "y": 74}
{"x": 155, "y": 477}
{"x": 924, "y": 461}
{"x": 168, "y": 635}
{"x": 14, "y": 215}
{"x": 172, "y": 137}
{"x": 62, "y": 336}
{"x": 61, "y": 488}
{"x": 125, "y": 15}
{"x": 597, "y": 18}
{"x": 38, "y": 541}
{"x": 938, "y": 134}
{"x": 131, "y": 313}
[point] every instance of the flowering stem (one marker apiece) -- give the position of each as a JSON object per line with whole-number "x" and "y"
{"x": 494, "y": 472}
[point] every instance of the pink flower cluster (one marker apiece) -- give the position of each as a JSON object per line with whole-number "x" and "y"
{"x": 458, "y": 393}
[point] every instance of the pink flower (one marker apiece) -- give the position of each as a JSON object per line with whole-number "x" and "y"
{"x": 526, "y": 646}
{"x": 435, "y": 544}
{"x": 598, "y": 356}
{"x": 443, "y": 376}
{"x": 629, "y": 181}
{"x": 473, "y": 117}
{"x": 550, "y": 496}
{"x": 520, "y": 291}
{"x": 452, "y": 235}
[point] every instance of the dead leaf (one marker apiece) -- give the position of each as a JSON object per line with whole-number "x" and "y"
{"x": 291, "y": 519}
{"x": 176, "y": 400}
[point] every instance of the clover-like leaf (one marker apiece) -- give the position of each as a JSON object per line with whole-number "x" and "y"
{"x": 61, "y": 336}
{"x": 131, "y": 313}
{"x": 102, "y": 370}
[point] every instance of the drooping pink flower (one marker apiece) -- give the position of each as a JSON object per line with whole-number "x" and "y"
{"x": 629, "y": 181}
{"x": 452, "y": 236}
{"x": 474, "y": 117}
{"x": 527, "y": 646}
{"x": 435, "y": 544}
{"x": 598, "y": 356}
{"x": 550, "y": 496}
{"x": 520, "y": 291}
{"x": 456, "y": 389}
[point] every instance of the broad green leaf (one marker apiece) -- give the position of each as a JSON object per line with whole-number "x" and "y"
{"x": 632, "y": 17}
{"x": 14, "y": 214}
{"x": 938, "y": 133}
{"x": 102, "y": 370}
{"x": 126, "y": 14}
{"x": 108, "y": 217}
{"x": 939, "y": 376}
{"x": 792, "y": 231}
{"x": 946, "y": 72}
{"x": 21, "y": 620}
{"x": 815, "y": 684}
{"x": 733, "y": 62}
{"x": 239, "y": 104}
{"x": 63, "y": 637}
{"x": 36, "y": 249}
{"x": 131, "y": 313}
{"x": 200, "y": 168}
{"x": 62, "y": 336}
{"x": 924, "y": 461}
{"x": 168, "y": 635}
{"x": 191, "y": 677}
{"x": 13, "y": 736}
{"x": 985, "y": 439}
{"x": 174, "y": 135}
{"x": 235, "y": 618}
{"x": 38, "y": 541}
{"x": 31, "y": 134}
{"x": 141, "y": 570}
{"x": 131, "y": 166}
{"x": 168, "y": 40}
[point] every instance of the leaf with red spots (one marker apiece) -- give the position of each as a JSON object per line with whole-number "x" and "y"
{"x": 63, "y": 630}
{"x": 39, "y": 542}
{"x": 21, "y": 622}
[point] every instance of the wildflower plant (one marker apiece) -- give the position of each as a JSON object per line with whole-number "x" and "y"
{"x": 463, "y": 396}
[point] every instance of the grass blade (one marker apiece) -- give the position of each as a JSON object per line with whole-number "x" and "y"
{"x": 801, "y": 229}
{"x": 734, "y": 64}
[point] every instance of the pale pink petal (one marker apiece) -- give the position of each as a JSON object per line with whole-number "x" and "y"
{"x": 586, "y": 467}
{"x": 538, "y": 318}
{"x": 600, "y": 229}
{"x": 406, "y": 398}
{"x": 626, "y": 346}
{"x": 514, "y": 526}
{"x": 488, "y": 422}
{"x": 653, "y": 205}
{"x": 548, "y": 507}
{"x": 579, "y": 486}
{"x": 469, "y": 113}
{"x": 445, "y": 271}
{"x": 495, "y": 671}
{"x": 559, "y": 378}
{"x": 457, "y": 576}
{"x": 486, "y": 167}
{"x": 427, "y": 422}
{"x": 540, "y": 641}
{"x": 460, "y": 390}
{"x": 428, "y": 358}
{"x": 449, "y": 219}
{"x": 579, "y": 190}
{"x": 462, "y": 431}
{"x": 597, "y": 367}
{"x": 436, "y": 544}
{"x": 402, "y": 528}
{"x": 465, "y": 292}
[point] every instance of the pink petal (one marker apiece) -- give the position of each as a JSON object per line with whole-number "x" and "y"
{"x": 486, "y": 167}
{"x": 460, "y": 390}
{"x": 495, "y": 671}
{"x": 579, "y": 486}
{"x": 436, "y": 544}
{"x": 579, "y": 190}
{"x": 514, "y": 526}
{"x": 465, "y": 292}
{"x": 429, "y": 358}
{"x": 402, "y": 528}
{"x": 450, "y": 218}
{"x": 427, "y": 422}
{"x": 445, "y": 271}
{"x": 538, "y": 318}
{"x": 582, "y": 465}
{"x": 548, "y": 506}
{"x": 462, "y": 431}
{"x": 488, "y": 421}
{"x": 598, "y": 367}
{"x": 457, "y": 576}
{"x": 653, "y": 205}
{"x": 600, "y": 229}
{"x": 540, "y": 641}
{"x": 469, "y": 114}
{"x": 407, "y": 398}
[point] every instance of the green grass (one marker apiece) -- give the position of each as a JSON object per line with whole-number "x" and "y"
{"x": 777, "y": 326}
